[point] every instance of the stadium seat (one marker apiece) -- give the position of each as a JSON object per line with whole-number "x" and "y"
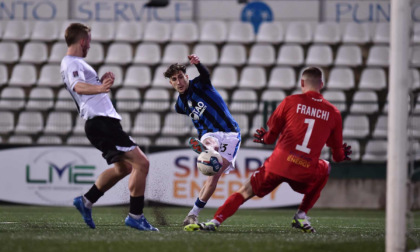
{"x": 50, "y": 76}
{"x": 242, "y": 120}
{"x": 78, "y": 140}
{"x": 4, "y": 75}
{"x": 208, "y": 54}
{"x": 257, "y": 123}
{"x": 64, "y": 101}
{"x": 298, "y": 32}
{"x": 355, "y": 149}
{"x": 336, "y": 98}
{"x": 119, "y": 53}
{"x": 375, "y": 151}
{"x": 356, "y": 126}
{"x": 253, "y": 78}
{"x": 142, "y": 140}
{"x": 17, "y": 30}
{"x": 102, "y": 32}
{"x": 79, "y": 126}
{"x": 373, "y": 79}
{"x": 184, "y": 32}
{"x": 49, "y": 140}
{"x": 213, "y": 31}
{"x": 415, "y": 56}
{"x": 175, "y": 53}
{"x": 240, "y": 32}
{"x": 167, "y": 141}
{"x": 244, "y": 101}
{"x": 381, "y": 127}
{"x": 126, "y": 121}
{"x": 349, "y": 55}
{"x": 327, "y": 33}
{"x": 249, "y": 142}
{"x": 415, "y": 38}
{"x": 364, "y": 102}
{"x": 59, "y": 50}
{"x": 12, "y": 98}
{"x": 19, "y": 139}
{"x": 282, "y": 78}
{"x": 416, "y": 109}
{"x": 270, "y": 32}
{"x": 29, "y": 123}
{"x": 158, "y": 32}
{"x": 290, "y": 55}
{"x": 176, "y": 125}
{"x": 159, "y": 80}
{"x": 146, "y": 124}
{"x": 270, "y": 95}
{"x": 319, "y": 55}
{"x": 378, "y": 56}
{"x": 130, "y": 32}
{"x": 148, "y": 54}
{"x": 355, "y": 33}
{"x": 59, "y": 123}
{"x": 9, "y": 52}
{"x": 414, "y": 151}
{"x": 116, "y": 70}
{"x": 7, "y": 122}
{"x": 341, "y": 78}
{"x": 382, "y": 32}
{"x": 23, "y": 75}
{"x": 225, "y": 77}
{"x": 156, "y": 100}
{"x": 415, "y": 79}
{"x": 34, "y": 52}
{"x": 128, "y": 99}
{"x": 41, "y": 99}
{"x": 233, "y": 54}
{"x": 138, "y": 77}
{"x": 95, "y": 55}
{"x": 262, "y": 55}
{"x": 46, "y": 31}
{"x": 413, "y": 126}
{"x": 192, "y": 72}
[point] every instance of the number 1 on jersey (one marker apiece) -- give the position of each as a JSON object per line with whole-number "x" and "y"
{"x": 304, "y": 146}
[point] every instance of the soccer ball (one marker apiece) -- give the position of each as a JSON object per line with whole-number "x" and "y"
{"x": 209, "y": 162}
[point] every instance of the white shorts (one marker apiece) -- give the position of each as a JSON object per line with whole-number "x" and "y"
{"x": 229, "y": 143}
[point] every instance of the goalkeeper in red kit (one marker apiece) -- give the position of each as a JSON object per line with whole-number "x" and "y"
{"x": 303, "y": 124}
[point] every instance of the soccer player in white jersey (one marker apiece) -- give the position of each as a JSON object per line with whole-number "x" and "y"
{"x": 104, "y": 131}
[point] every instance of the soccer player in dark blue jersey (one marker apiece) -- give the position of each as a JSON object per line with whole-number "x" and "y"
{"x": 216, "y": 127}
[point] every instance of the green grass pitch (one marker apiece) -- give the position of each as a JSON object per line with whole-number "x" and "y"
{"x": 34, "y": 228}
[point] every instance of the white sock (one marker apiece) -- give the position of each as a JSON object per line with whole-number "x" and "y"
{"x": 301, "y": 214}
{"x": 87, "y": 203}
{"x": 215, "y": 222}
{"x": 134, "y": 216}
{"x": 195, "y": 210}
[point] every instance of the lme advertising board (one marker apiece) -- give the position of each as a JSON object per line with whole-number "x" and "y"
{"x": 55, "y": 175}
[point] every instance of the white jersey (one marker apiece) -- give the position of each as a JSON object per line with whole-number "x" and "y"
{"x": 75, "y": 69}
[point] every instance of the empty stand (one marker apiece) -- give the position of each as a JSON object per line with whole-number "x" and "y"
{"x": 126, "y": 121}
{"x": 319, "y": 55}
{"x": 20, "y": 139}
{"x": 147, "y": 124}
{"x": 208, "y": 53}
{"x": 415, "y": 79}
{"x": 148, "y": 54}
{"x": 142, "y": 140}
{"x": 131, "y": 32}
{"x": 373, "y": 79}
{"x": 159, "y": 80}
{"x": 262, "y": 55}
{"x": 175, "y": 53}
{"x": 243, "y": 122}
{"x": 341, "y": 78}
{"x": 40, "y": 98}
{"x": 253, "y": 78}
{"x": 355, "y": 148}
{"x": 192, "y": 72}
{"x": 290, "y": 55}
{"x": 298, "y": 32}
{"x": 17, "y": 30}
{"x": 176, "y": 125}
{"x": 356, "y": 126}
{"x": 349, "y": 55}
{"x": 381, "y": 127}
{"x": 270, "y": 32}
{"x": 79, "y": 126}
{"x": 34, "y": 52}
{"x": 12, "y": 98}
{"x": 356, "y": 33}
{"x": 382, "y": 33}
{"x": 378, "y": 56}
{"x": 240, "y": 32}
{"x": 7, "y": 122}
{"x": 225, "y": 77}
{"x": 158, "y": 32}
{"x": 78, "y": 140}
{"x": 213, "y": 31}
{"x": 327, "y": 33}
{"x": 128, "y": 99}
{"x": 65, "y": 101}
{"x": 50, "y": 76}
{"x": 185, "y": 32}
{"x": 244, "y": 101}
{"x": 375, "y": 151}
{"x": 233, "y": 54}
{"x": 4, "y": 75}
{"x": 115, "y": 69}
{"x": 95, "y": 55}
{"x": 59, "y": 50}
{"x": 102, "y": 31}
{"x": 167, "y": 141}
{"x": 46, "y": 31}
{"x": 156, "y": 100}
{"x": 119, "y": 53}
{"x": 336, "y": 98}
{"x": 29, "y": 123}
{"x": 138, "y": 77}
{"x": 282, "y": 77}
{"x": 270, "y": 95}
{"x": 364, "y": 102}
{"x": 23, "y": 75}
{"x": 48, "y": 140}
{"x": 59, "y": 123}
{"x": 9, "y": 52}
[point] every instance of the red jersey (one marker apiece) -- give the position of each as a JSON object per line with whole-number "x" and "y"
{"x": 305, "y": 123}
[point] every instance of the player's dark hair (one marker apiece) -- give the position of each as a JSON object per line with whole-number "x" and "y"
{"x": 312, "y": 73}
{"x": 174, "y": 69}
{"x": 75, "y": 32}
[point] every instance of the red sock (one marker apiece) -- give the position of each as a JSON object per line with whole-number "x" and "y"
{"x": 230, "y": 207}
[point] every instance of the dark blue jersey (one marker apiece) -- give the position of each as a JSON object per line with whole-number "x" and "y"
{"x": 205, "y": 106}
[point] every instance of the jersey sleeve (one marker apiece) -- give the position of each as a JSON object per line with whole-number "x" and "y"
{"x": 75, "y": 74}
{"x": 275, "y": 124}
{"x": 335, "y": 141}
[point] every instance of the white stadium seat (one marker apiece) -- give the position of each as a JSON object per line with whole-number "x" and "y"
{"x": 29, "y": 123}
{"x": 23, "y": 75}
{"x": 59, "y": 123}
{"x": 20, "y": 139}
{"x": 327, "y": 33}
{"x": 159, "y": 80}
{"x": 233, "y": 54}
{"x": 378, "y": 56}
{"x": 50, "y": 76}
{"x": 4, "y": 75}
{"x": 253, "y": 78}
{"x": 356, "y": 33}
{"x": 240, "y": 32}
{"x": 34, "y": 52}
{"x": 373, "y": 79}
{"x": 95, "y": 55}
{"x": 156, "y": 100}
{"x": 364, "y": 102}
{"x": 176, "y": 125}
{"x": 7, "y": 122}
{"x": 79, "y": 126}
{"x": 185, "y": 32}
{"x": 270, "y": 95}
{"x": 49, "y": 140}
{"x": 9, "y": 52}
{"x": 244, "y": 101}
{"x": 375, "y": 151}
{"x": 208, "y": 53}
{"x": 46, "y": 31}
{"x": 262, "y": 55}
{"x": 282, "y": 77}
{"x": 64, "y": 101}
{"x": 58, "y": 51}
{"x": 17, "y": 30}
{"x": 102, "y": 31}
{"x": 382, "y": 32}
{"x": 336, "y": 98}
{"x": 381, "y": 127}
{"x": 146, "y": 124}
{"x": 298, "y": 32}
{"x": 349, "y": 55}
{"x": 148, "y": 54}
{"x": 175, "y": 53}
{"x": 319, "y": 55}
{"x": 138, "y": 77}
{"x": 341, "y": 78}
{"x": 131, "y": 32}
{"x": 270, "y": 32}
{"x": 78, "y": 140}
{"x": 12, "y": 98}
{"x": 167, "y": 141}
{"x": 158, "y": 32}
{"x": 41, "y": 99}
{"x": 290, "y": 55}
{"x": 225, "y": 77}
{"x": 243, "y": 122}
{"x": 213, "y": 31}
{"x": 119, "y": 53}
{"x": 356, "y": 126}
{"x": 126, "y": 121}
{"x": 128, "y": 99}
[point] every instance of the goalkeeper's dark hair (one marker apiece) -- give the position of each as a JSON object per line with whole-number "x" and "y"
{"x": 75, "y": 32}
{"x": 312, "y": 74}
{"x": 174, "y": 69}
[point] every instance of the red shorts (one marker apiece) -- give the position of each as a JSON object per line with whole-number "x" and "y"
{"x": 264, "y": 182}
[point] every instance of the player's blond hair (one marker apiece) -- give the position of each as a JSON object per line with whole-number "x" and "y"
{"x": 75, "y": 32}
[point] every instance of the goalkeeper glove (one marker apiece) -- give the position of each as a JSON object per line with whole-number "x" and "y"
{"x": 259, "y": 135}
{"x": 347, "y": 151}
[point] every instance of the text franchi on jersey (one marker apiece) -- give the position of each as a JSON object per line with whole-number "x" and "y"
{"x": 314, "y": 112}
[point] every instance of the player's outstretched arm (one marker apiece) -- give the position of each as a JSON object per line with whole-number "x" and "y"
{"x": 204, "y": 72}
